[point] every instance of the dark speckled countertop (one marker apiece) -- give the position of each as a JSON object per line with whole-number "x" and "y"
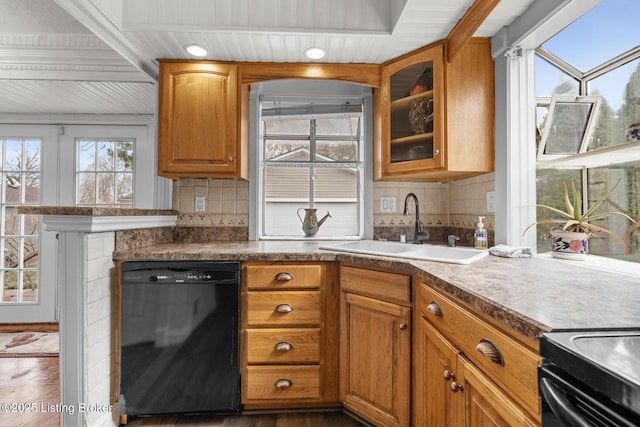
{"x": 530, "y": 295}
{"x": 91, "y": 211}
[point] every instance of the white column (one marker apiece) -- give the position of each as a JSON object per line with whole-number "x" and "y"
{"x": 515, "y": 148}
{"x": 71, "y": 275}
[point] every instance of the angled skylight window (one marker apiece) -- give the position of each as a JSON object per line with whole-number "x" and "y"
{"x": 607, "y": 30}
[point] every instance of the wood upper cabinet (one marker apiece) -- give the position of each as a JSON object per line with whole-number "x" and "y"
{"x": 434, "y": 119}
{"x": 468, "y": 373}
{"x": 199, "y": 126}
{"x": 375, "y": 345}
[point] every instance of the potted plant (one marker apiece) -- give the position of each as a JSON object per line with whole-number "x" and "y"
{"x": 570, "y": 240}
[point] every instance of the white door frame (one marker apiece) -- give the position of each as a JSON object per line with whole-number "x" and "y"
{"x": 45, "y": 309}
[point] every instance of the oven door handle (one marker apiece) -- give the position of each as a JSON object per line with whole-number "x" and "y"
{"x": 561, "y": 406}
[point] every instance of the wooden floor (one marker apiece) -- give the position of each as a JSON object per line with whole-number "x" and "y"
{"x": 35, "y": 382}
{"x": 313, "y": 419}
{"x": 29, "y": 386}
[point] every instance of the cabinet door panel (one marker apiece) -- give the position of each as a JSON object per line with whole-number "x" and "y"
{"x": 485, "y": 404}
{"x": 196, "y": 100}
{"x": 434, "y": 401}
{"x": 198, "y": 119}
{"x": 375, "y": 348}
{"x": 410, "y": 142}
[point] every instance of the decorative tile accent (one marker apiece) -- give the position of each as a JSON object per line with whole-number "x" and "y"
{"x": 212, "y": 220}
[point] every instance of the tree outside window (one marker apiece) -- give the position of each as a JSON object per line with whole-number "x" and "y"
{"x": 105, "y": 172}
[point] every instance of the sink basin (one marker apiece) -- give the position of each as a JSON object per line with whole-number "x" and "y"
{"x": 457, "y": 255}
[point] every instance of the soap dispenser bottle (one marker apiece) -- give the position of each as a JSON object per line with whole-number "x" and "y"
{"x": 480, "y": 235}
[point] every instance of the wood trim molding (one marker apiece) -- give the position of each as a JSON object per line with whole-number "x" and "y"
{"x": 365, "y": 74}
{"x": 466, "y": 27}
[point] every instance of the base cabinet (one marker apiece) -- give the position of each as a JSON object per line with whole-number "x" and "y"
{"x": 289, "y": 335}
{"x": 375, "y": 341}
{"x": 467, "y": 373}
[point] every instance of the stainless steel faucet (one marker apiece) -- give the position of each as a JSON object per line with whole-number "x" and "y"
{"x": 419, "y": 234}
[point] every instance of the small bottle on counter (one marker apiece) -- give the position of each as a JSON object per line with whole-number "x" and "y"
{"x": 480, "y": 235}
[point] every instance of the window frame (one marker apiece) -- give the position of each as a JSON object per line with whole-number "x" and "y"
{"x": 552, "y": 115}
{"x": 114, "y": 172}
{"x": 585, "y": 160}
{"x": 313, "y": 163}
{"x": 312, "y": 89}
{"x": 58, "y": 187}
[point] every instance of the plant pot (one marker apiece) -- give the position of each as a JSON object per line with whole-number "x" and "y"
{"x": 569, "y": 245}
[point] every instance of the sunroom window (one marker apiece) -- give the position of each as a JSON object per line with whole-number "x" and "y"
{"x": 588, "y": 115}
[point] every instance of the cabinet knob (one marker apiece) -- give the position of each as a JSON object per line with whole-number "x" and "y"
{"x": 283, "y": 383}
{"x": 283, "y": 346}
{"x": 455, "y": 387}
{"x": 403, "y": 326}
{"x": 448, "y": 375}
{"x": 490, "y": 351}
{"x": 434, "y": 308}
{"x": 283, "y": 308}
{"x": 284, "y": 276}
{"x": 436, "y": 152}
{"x": 230, "y": 159}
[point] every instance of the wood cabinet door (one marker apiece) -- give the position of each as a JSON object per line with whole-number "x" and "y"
{"x": 435, "y": 369}
{"x": 198, "y": 120}
{"x": 485, "y": 404}
{"x": 404, "y": 146}
{"x": 375, "y": 359}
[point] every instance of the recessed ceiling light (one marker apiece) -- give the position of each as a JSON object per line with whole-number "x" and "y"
{"x": 315, "y": 53}
{"x": 195, "y": 50}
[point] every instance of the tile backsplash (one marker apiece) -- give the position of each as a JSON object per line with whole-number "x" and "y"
{"x": 445, "y": 208}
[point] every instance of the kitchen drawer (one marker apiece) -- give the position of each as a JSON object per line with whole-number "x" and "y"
{"x": 283, "y": 382}
{"x": 507, "y": 362}
{"x": 289, "y": 276}
{"x": 285, "y": 345}
{"x": 290, "y": 308}
{"x": 389, "y": 287}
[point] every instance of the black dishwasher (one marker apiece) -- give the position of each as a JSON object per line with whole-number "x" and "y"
{"x": 179, "y": 337}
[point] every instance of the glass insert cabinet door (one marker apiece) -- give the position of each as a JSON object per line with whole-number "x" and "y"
{"x": 412, "y": 112}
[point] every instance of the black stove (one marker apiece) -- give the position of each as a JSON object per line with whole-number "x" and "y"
{"x": 590, "y": 378}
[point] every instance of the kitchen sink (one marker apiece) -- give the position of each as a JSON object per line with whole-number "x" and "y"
{"x": 457, "y": 255}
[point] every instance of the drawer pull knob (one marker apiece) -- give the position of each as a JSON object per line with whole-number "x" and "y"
{"x": 284, "y": 276}
{"x": 434, "y": 308}
{"x": 283, "y": 383}
{"x": 284, "y": 308}
{"x": 283, "y": 346}
{"x": 490, "y": 351}
{"x": 403, "y": 326}
{"x": 448, "y": 375}
{"x": 456, "y": 387}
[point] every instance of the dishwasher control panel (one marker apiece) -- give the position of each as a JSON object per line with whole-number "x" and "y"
{"x": 181, "y": 272}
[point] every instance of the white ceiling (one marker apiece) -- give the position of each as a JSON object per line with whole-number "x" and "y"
{"x": 99, "y": 56}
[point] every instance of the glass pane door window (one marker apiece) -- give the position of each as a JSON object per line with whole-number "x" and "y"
{"x": 104, "y": 174}
{"x": 19, "y": 234}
